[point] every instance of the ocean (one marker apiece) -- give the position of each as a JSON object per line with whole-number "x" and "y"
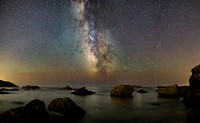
{"x": 102, "y": 108}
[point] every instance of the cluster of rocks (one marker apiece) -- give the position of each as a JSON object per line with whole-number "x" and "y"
{"x": 30, "y": 87}
{"x": 64, "y": 110}
{"x": 66, "y": 88}
{"x": 126, "y": 90}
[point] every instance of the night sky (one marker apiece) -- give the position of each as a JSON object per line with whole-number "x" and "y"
{"x": 99, "y": 42}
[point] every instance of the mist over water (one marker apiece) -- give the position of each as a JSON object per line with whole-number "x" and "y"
{"x": 102, "y": 108}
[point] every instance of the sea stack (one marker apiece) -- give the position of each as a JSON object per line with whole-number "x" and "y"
{"x": 194, "y": 89}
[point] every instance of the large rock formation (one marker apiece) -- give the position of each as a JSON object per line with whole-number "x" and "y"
{"x": 122, "y": 91}
{"x": 169, "y": 91}
{"x": 7, "y": 84}
{"x": 33, "y": 112}
{"x": 194, "y": 92}
{"x": 67, "y": 107}
{"x": 82, "y": 91}
{"x": 30, "y": 87}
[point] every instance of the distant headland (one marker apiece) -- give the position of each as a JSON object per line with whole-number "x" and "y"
{"x": 7, "y": 84}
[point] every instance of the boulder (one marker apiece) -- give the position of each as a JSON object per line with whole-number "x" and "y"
{"x": 142, "y": 91}
{"x": 82, "y": 91}
{"x": 169, "y": 91}
{"x": 33, "y": 112}
{"x": 7, "y": 84}
{"x": 122, "y": 91}
{"x": 30, "y": 87}
{"x": 67, "y": 107}
{"x": 66, "y": 88}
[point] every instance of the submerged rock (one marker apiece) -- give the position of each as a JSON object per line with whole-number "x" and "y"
{"x": 67, "y": 107}
{"x": 169, "y": 91}
{"x": 33, "y": 112}
{"x": 82, "y": 91}
{"x": 30, "y": 87}
{"x": 122, "y": 91}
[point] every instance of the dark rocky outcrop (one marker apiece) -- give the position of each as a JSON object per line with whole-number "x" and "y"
{"x": 82, "y": 91}
{"x": 192, "y": 101}
{"x": 142, "y": 91}
{"x": 7, "y": 84}
{"x": 30, "y": 87}
{"x": 66, "y": 88}
{"x": 122, "y": 91}
{"x": 67, "y": 107}
{"x": 169, "y": 91}
{"x": 33, "y": 112}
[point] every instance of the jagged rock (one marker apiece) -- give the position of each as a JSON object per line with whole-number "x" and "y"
{"x": 82, "y": 91}
{"x": 169, "y": 91}
{"x": 7, "y": 84}
{"x": 33, "y": 112}
{"x": 30, "y": 87}
{"x": 122, "y": 91}
{"x": 66, "y": 88}
{"x": 142, "y": 91}
{"x": 67, "y": 107}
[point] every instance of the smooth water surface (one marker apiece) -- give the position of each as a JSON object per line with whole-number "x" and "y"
{"x": 102, "y": 108}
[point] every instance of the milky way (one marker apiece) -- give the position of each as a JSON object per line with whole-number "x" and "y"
{"x": 96, "y": 45}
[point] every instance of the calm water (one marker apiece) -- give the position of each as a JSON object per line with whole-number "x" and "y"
{"x": 101, "y": 108}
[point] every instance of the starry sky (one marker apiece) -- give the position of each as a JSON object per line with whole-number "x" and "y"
{"x": 99, "y": 42}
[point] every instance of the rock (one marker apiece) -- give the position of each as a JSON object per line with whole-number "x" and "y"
{"x": 66, "y": 88}
{"x": 7, "y": 84}
{"x": 169, "y": 91}
{"x": 182, "y": 90}
{"x": 122, "y": 91}
{"x": 142, "y": 91}
{"x": 67, "y": 107}
{"x": 30, "y": 87}
{"x": 192, "y": 101}
{"x": 82, "y": 91}
{"x": 33, "y": 112}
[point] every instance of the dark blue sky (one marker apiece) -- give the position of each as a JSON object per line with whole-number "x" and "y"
{"x": 153, "y": 41}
